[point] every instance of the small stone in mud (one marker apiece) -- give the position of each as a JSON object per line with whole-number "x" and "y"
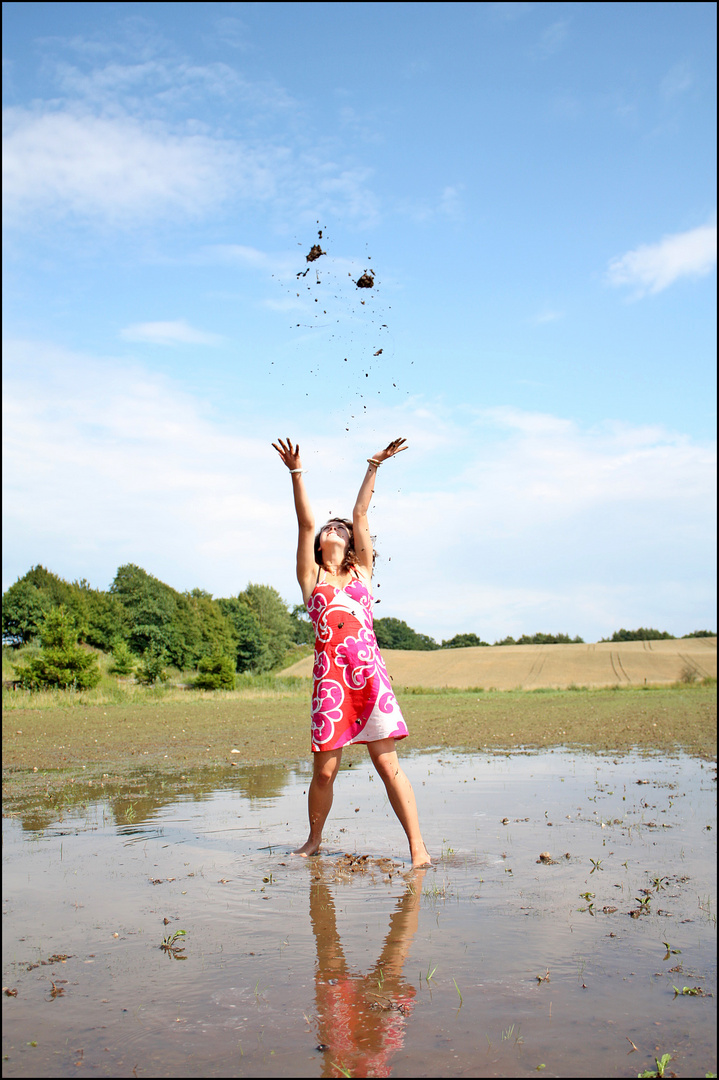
{"x": 546, "y": 858}
{"x": 366, "y": 281}
{"x": 315, "y": 252}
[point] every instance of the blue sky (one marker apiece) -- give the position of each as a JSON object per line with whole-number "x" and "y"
{"x": 533, "y": 186}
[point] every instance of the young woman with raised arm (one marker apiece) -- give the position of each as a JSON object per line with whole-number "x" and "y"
{"x": 352, "y": 699}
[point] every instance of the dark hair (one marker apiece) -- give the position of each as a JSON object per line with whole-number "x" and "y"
{"x": 350, "y": 558}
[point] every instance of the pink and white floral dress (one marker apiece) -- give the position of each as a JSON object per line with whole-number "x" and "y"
{"x": 352, "y": 698}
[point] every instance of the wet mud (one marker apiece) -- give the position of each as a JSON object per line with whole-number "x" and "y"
{"x": 568, "y": 924}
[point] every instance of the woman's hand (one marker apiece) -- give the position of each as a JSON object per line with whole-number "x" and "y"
{"x": 289, "y": 454}
{"x": 395, "y": 447}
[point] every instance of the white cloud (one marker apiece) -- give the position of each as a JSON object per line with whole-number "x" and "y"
{"x": 499, "y": 521}
{"x": 178, "y": 332}
{"x": 653, "y": 267}
{"x": 117, "y": 168}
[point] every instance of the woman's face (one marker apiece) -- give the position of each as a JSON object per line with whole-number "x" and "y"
{"x": 335, "y": 529}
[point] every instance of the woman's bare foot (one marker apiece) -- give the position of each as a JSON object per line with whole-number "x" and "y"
{"x": 420, "y": 857}
{"x": 310, "y": 848}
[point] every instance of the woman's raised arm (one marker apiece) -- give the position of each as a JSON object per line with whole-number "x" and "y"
{"x": 360, "y": 525}
{"x": 306, "y": 566}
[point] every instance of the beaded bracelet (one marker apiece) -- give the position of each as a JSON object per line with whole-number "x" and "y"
{"x": 373, "y": 461}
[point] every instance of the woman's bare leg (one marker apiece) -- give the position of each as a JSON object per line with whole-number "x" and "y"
{"x": 401, "y": 796}
{"x": 319, "y": 800}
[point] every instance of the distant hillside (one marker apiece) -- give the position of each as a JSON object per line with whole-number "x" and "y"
{"x": 531, "y": 667}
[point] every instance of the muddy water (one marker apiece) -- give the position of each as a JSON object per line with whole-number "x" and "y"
{"x": 490, "y": 964}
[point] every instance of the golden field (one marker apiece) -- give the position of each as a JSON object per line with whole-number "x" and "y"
{"x": 535, "y": 667}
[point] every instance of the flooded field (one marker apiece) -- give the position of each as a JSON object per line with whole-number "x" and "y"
{"x": 568, "y": 926}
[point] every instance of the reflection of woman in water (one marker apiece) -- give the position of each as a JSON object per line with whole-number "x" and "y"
{"x": 352, "y": 700}
{"x": 361, "y": 1018}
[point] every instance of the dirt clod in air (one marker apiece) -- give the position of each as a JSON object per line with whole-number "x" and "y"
{"x": 379, "y": 352}
{"x": 315, "y": 252}
{"x": 366, "y": 281}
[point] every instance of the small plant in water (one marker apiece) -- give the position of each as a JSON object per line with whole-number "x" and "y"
{"x": 596, "y": 865}
{"x": 688, "y": 991}
{"x": 670, "y": 952}
{"x": 661, "y": 1064}
{"x": 168, "y": 944}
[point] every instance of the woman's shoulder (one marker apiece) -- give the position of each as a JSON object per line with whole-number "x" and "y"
{"x": 364, "y": 576}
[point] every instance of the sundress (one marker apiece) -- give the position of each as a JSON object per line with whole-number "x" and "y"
{"x": 352, "y": 698}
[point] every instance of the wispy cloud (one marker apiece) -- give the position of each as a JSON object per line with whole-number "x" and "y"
{"x": 650, "y": 268}
{"x": 126, "y": 142}
{"x": 549, "y": 315}
{"x": 552, "y": 39}
{"x": 178, "y": 332}
{"x": 116, "y": 168}
{"x": 677, "y": 81}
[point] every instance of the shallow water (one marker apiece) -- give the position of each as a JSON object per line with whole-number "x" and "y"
{"x": 489, "y": 964}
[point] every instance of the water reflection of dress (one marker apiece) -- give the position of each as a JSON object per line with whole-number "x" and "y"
{"x": 362, "y": 1033}
{"x": 362, "y": 1018}
{"x": 352, "y": 699}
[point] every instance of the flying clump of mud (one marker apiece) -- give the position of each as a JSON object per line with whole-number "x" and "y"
{"x": 366, "y": 281}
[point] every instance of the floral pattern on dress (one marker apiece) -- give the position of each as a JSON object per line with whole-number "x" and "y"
{"x": 352, "y": 699}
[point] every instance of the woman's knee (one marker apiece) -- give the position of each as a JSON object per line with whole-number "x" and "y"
{"x": 325, "y": 771}
{"x": 387, "y": 765}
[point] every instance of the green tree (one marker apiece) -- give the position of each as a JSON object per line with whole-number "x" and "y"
{"x": 152, "y": 666}
{"x": 216, "y": 672}
{"x": 274, "y": 618}
{"x": 24, "y": 608}
{"x": 701, "y": 633}
{"x": 302, "y": 629}
{"x": 463, "y": 641}
{"x": 104, "y": 618}
{"x": 149, "y": 609}
{"x": 216, "y": 631}
{"x": 549, "y": 639}
{"x": 62, "y": 662}
{"x": 642, "y": 634}
{"x": 123, "y": 662}
{"x": 251, "y": 641}
{"x": 396, "y": 634}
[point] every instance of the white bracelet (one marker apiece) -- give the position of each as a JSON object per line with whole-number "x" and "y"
{"x": 298, "y": 470}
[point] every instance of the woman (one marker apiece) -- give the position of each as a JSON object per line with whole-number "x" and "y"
{"x": 352, "y": 701}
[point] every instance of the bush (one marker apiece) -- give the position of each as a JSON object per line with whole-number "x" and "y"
{"x": 642, "y": 634}
{"x": 152, "y": 666}
{"x": 62, "y": 663}
{"x": 463, "y": 641}
{"x": 215, "y": 673}
{"x": 123, "y": 662}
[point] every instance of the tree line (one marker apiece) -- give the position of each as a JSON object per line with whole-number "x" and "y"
{"x": 148, "y": 626}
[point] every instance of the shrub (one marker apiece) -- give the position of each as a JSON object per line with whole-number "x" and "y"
{"x": 215, "y": 673}
{"x": 123, "y": 662}
{"x": 62, "y": 663}
{"x": 152, "y": 666}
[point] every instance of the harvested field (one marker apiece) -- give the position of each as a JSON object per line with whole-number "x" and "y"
{"x": 534, "y": 667}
